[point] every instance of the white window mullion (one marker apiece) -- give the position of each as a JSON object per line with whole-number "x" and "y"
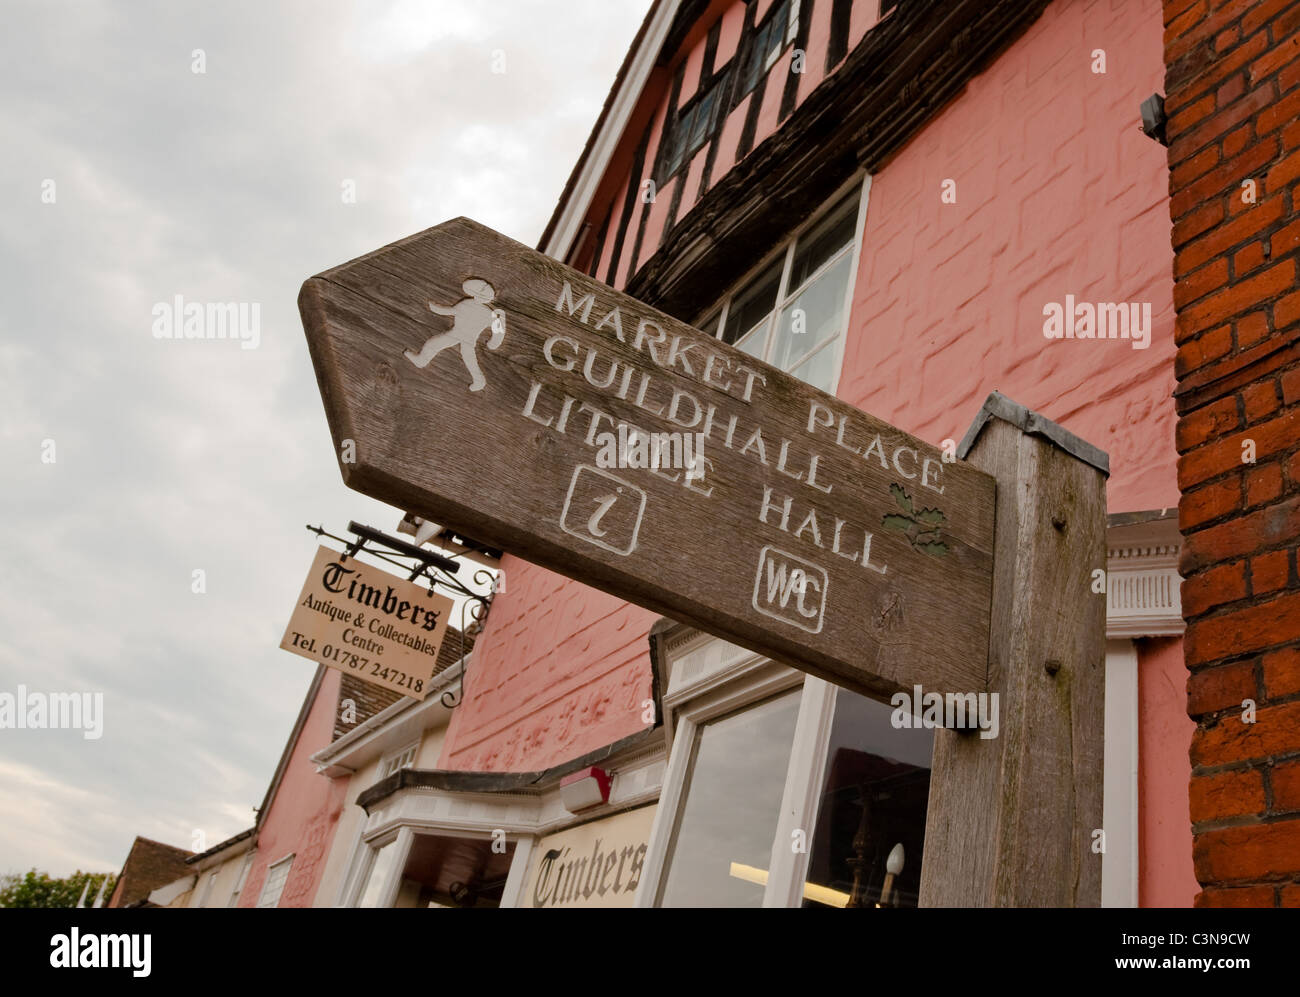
{"x": 816, "y": 275}
{"x": 517, "y": 877}
{"x": 859, "y": 237}
{"x": 780, "y": 302}
{"x": 722, "y": 319}
{"x": 1119, "y": 862}
{"x": 388, "y": 895}
{"x": 668, "y": 814}
{"x": 789, "y": 868}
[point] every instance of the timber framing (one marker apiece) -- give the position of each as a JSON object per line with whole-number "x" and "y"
{"x": 687, "y": 15}
{"x": 904, "y": 70}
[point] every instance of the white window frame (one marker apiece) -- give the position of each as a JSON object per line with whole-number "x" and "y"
{"x": 209, "y": 881}
{"x": 761, "y": 681}
{"x": 387, "y": 766}
{"x": 783, "y": 296}
{"x": 287, "y": 863}
{"x": 403, "y": 838}
{"x": 243, "y": 876}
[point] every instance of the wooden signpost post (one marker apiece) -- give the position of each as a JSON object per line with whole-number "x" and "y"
{"x": 483, "y": 385}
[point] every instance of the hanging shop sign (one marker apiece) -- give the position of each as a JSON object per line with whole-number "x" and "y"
{"x": 368, "y": 623}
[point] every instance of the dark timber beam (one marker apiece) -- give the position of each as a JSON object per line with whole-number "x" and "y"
{"x": 897, "y": 78}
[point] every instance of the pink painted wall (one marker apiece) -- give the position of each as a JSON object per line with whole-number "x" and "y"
{"x": 864, "y": 15}
{"x": 615, "y": 215}
{"x": 814, "y": 67}
{"x": 691, "y": 74}
{"x": 1057, "y": 193}
{"x": 733, "y": 22}
{"x": 304, "y": 812}
{"x": 659, "y": 205}
{"x": 561, "y": 669}
{"x": 1167, "y": 878}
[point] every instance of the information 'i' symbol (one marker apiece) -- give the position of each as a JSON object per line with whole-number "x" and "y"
{"x": 602, "y": 506}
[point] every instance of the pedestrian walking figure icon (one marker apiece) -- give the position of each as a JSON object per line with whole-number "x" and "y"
{"x": 472, "y": 317}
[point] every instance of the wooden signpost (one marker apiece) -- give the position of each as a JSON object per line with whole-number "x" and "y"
{"x": 483, "y": 385}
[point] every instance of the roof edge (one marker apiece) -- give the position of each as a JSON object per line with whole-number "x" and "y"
{"x": 555, "y": 239}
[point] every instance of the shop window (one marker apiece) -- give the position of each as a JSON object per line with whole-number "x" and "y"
{"x": 274, "y": 885}
{"x": 865, "y": 849}
{"x": 829, "y": 809}
{"x": 791, "y": 312}
{"x": 724, "y": 832}
{"x": 784, "y": 791}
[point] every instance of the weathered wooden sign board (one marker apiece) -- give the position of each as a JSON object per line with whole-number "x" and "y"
{"x": 371, "y": 624}
{"x": 483, "y": 385}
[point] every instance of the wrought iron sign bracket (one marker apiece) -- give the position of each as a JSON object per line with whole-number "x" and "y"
{"x": 438, "y": 569}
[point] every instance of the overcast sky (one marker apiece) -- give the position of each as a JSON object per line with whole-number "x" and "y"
{"x": 177, "y": 455}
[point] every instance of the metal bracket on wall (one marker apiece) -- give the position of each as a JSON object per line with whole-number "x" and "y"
{"x": 1154, "y": 119}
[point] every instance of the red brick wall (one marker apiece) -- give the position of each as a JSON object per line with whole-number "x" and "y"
{"x": 1233, "y": 97}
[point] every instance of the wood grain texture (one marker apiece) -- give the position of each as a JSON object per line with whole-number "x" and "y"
{"x": 474, "y": 461}
{"x": 1011, "y": 819}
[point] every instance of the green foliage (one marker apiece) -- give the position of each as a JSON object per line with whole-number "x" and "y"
{"x": 902, "y": 498}
{"x": 40, "y": 889}
{"x": 921, "y": 528}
